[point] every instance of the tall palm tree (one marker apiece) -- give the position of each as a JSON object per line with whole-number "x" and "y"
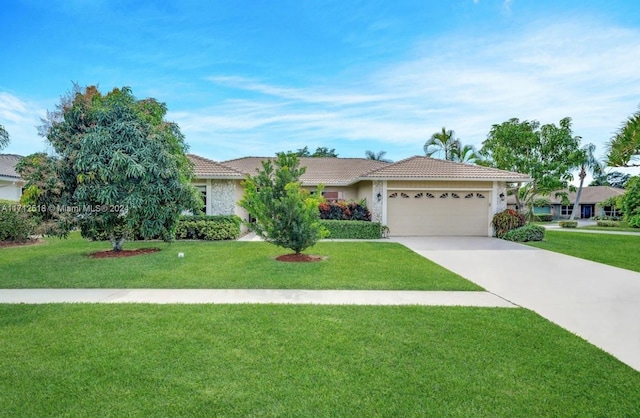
{"x": 377, "y": 157}
{"x": 4, "y": 137}
{"x": 586, "y": 161}
{"x": 444, "y": 141}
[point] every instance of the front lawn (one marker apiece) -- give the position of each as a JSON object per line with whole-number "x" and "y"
{"x": 615, "y": 250}
{"x": 270, "y": 360}
{"x": 223, "y": 265}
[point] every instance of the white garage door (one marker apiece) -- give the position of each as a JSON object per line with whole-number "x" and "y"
{"x": 437, "y": 213}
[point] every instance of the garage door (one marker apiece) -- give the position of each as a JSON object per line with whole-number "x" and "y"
{"x": 437, "y": 213}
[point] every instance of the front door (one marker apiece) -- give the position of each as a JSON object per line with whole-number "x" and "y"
{"x": 586, "y": 211}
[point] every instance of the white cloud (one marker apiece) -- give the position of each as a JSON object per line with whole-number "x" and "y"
{"x": 546, "y": 72}
{"x": 20, "y": 118}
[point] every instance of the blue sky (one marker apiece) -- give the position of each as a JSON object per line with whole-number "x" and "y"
{"x": 255, "y": 77}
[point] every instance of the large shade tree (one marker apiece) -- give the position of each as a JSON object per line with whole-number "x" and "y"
{"x": 624, "y": 147}
{"x": 548, "y": 153}
{"x": 123, "y": 166}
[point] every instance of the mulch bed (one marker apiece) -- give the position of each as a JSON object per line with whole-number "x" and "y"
{"x": 299, "y": 258}
{"x": 123, "y": 253}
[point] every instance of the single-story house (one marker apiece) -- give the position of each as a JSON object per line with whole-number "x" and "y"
{"x": 415, "y": 196}
{"x": 10, "y": 182}
{"x": 589, "y": 206}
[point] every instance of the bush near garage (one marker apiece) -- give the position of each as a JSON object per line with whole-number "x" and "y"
{"x": 352, "y": 229}
{"x": 507, "y": 220}
{"x": 543, "y": 218}
{"x": 343, "y": 210}
{"x": 529, "y": 232}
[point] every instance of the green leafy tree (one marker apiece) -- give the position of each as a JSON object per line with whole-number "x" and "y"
{"x": 318, "y": 153}
{"x": 443, "y": 143}
{"x": 286, "y": 214}
{"x": 466, "y": 154}
{"x": 630, "y": 202}
{"x": 122, "y": 166}
{"x": 624, "y": 147}
{"x": 613, "y": 179}
{"x": 370, "y": 155}
{"x": 4, "y": 138}
{"x": 587, "y": 162}
{"x": 547, "y": 153}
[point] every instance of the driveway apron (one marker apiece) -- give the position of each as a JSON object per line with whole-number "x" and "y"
{"x": 597, "y": 302}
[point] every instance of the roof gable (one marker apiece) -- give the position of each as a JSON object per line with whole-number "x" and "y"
{"x": 205, "y": 168}
{"x": 427, "y": 168}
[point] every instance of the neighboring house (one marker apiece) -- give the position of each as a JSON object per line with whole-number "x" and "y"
{"x": 414, "y": 196}
{"x": 10, "y": 182}
{"x": 589, "y": 205}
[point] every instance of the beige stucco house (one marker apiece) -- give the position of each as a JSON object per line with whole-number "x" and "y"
{"x": 414, "y": 196}
{"x": 10, "y": 182}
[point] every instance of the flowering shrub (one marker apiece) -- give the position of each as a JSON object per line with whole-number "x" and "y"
{"x": 345, "y": 211}
{"x": 507, "y": 220}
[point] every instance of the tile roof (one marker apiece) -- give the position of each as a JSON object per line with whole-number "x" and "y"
{"x": 205, "y": 168}
{"x": 8, "y": 164}
{"x": 426, "y": 168}
{"x": 328, "y": 171}
{"x": 590, "y": 195}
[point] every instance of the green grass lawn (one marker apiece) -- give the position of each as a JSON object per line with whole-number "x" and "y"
{"x": 295, "y": 360}
{"x": 624, "y": 226}
{"x": 615, "y": 250}
{"x": 223, "y": 265}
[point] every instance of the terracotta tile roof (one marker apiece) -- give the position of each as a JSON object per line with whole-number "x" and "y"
{"x": 426, "y": 168}
{"x": 8, "y": 164}
{"x": 205, "y": 168}
{"x": 328, "y": 171}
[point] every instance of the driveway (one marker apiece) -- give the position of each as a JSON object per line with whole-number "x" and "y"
{"x": 597, "y": 302}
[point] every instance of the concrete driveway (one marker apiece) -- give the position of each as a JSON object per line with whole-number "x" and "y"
{"x": 597, "y": 302}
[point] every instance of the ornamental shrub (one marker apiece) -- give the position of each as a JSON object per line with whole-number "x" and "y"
{"x": 634, "y": 221}
{"x": 529, "y": 232}
{"x": 210, "y": 228}
{"x": 352, "y": 229}
{"x": 343, "y": 210}
{"x": 568, "y": 224}
{"x": 15, "y": 225}
{"x": 543, "y": 218}
{"x": 608, "y": 224}
{"x": 507, "y": 220}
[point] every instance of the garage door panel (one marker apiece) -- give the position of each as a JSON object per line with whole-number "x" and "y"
{"x": 437, "y": 213}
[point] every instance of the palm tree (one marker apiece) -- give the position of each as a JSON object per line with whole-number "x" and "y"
{"x": 624, "y": 147}
{"x": 466, "y": 154}
{"x": 586, "y": 161}
{"x": 4, "y": 137}
{"x": 377, "y": 157}
{"x": 444, "y": 141}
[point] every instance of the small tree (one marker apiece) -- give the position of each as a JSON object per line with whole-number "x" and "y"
{"x": 630, "y": 202}
{"x": 286, "y": 215}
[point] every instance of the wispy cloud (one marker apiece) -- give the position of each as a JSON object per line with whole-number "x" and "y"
{"x": 545, "y": 73}
{"x": 21, "y": 118}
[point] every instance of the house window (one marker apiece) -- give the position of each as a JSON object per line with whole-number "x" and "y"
{"x": 611, "y": 211}
{"x": 565, "y": 210}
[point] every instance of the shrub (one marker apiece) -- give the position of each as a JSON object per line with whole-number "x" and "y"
{"x": 634, "y": 221}
{"x": 507, "y": 220}
{"x": 543, "y": 218}
{"x": 608, "y": 224}
{"x": 352, "y": 229}
{"x": 343, "y": 210}
{"x": 529, "y": 232}
{"x": 15, "y": 224}
{"x": 568, "y": 224}
{"x": 210, "y": 228}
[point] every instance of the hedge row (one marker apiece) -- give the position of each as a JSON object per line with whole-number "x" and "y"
{"x": 352, "y": 229}
{"x": 211, "y": 228}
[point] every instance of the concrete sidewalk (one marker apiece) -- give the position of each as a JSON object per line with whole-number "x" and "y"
{"x": 598, "y": 302}
{"x": 268, "y": 296}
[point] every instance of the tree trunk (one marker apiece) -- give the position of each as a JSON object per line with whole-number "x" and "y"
{"x": 117, "y": 243}
{"x": 582, "y": 175}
